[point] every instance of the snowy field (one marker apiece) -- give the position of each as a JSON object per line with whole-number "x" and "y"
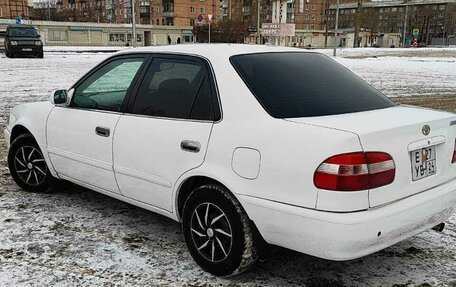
{"x": 73, "y": 236}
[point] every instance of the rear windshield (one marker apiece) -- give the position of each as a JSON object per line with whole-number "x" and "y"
{"x": 292, "y": 85}
{"x": 22, "y": 32}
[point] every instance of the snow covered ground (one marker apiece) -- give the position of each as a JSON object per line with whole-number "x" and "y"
{"x": 74, "y": 236}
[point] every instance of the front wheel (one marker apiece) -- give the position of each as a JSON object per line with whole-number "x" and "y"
{"x": 218, "y": 232}
{"x": 27, "y": 165}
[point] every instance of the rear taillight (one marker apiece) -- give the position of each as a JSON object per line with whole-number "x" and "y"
{"x": 355, "y": 171}
{"x": 454, "y": 153}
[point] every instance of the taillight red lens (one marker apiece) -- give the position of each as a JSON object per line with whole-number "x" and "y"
{"x": 454, "y": 153}
{"x": 355, "y": 171}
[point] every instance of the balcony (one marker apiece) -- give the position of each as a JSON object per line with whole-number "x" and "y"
{"x": 168, "y": 14}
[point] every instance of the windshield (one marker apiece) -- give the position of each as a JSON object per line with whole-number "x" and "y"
{"x": 22, "y": 32}
{"x": 296, "y": 84}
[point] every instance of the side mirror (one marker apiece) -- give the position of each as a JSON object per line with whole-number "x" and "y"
{"x": 62, "y": 97}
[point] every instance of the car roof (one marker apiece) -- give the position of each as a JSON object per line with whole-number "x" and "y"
{"x": 212, "y": 50}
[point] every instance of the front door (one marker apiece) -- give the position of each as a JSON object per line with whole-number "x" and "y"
{"x": 167, "y": 130}
{"x": 79, "y": 137}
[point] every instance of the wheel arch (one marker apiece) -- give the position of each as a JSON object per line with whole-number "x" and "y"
{"x": 18, "y": 130}
{"x": 188, "y": 185}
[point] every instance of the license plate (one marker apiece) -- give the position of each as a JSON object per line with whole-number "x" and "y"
{"x": 27, "y": 50}
{"x": 423, "y": 162}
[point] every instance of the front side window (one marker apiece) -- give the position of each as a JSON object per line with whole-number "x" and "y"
{"x": 292, "y": 85}
{"x": 175, "y": 88}
{"x": 107, "y": 87}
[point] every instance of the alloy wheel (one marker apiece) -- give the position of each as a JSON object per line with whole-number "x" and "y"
{"x": 30, "y": 165}
{"x": 211, "y": 232}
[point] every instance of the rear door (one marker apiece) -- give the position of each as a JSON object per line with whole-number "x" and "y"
{"x": 79, "y": 137}
{"x": 167, "y": 129}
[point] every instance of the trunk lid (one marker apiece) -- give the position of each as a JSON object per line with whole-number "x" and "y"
{"x": 400, "y": 131}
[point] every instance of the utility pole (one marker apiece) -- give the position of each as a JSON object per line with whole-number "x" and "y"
{"x": 326, "y": 22}
{"x": 133, "y": 23}
{"x": 443, "y": 42}
{"x": 335, "y": 29}
{"x": 209, "y": 17}
{"x": 357, "y": 25}
{"x": 405, "y": 25}
{"x": 258, "y": 22}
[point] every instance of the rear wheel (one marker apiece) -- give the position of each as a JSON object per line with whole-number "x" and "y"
{"x": 27, "y": 165}
{"x": 218, "y": 232}
{"x": 40, "y": 55}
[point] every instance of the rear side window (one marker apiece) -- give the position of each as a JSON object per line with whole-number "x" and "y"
{"x": 292, "y": 85}
{"x": 175, "y": 88}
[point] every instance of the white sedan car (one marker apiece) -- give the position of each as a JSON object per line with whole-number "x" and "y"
{"x": 244, "y": 145}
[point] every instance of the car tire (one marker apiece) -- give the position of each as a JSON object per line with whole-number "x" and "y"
{"x": 218, "y": 232}
{"x": 8, "y": 54}
{"x": 27, "y": 164}
{"x": 40, "y": 55}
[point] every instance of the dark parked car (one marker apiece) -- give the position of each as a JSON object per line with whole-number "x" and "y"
{"x": 22, "y": 40}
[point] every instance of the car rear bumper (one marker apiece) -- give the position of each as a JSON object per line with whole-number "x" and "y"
{"x": 345, "y": 236}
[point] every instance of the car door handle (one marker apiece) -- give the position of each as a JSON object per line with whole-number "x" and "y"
{"x": 103, "y": 132}
{"x": 191, "y": 146}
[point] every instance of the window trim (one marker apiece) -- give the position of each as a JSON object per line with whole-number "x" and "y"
{"x": 99, "y": 67}
{"x": 216, "y": 103}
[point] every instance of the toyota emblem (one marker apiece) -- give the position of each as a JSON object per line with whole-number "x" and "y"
{"x": 426, "y": 130}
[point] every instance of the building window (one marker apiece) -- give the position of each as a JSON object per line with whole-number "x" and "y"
{"x": 192, "y": 22}
{"x": 312, "y": 17}
{"x": 306, "y": 17}
{"x": 394, "y": 9}
{"x": 312, "y": 26}
{"x": 380, "y": 17}
{"x": 116, "y": 37}
{"x": 306, "y": 7}
{"x": 442, "y": 7}
{"x": 57, "y": 35}
{"x": 158, "y": 22}
{"x": 387, "y": 9}
{"x": 202, "y": 10}
{"x": 434, "y": 7}
{"x": 192, "y": 9}
{"x": 313, "y": 7}
{"x": 381, "y": 10}
{"x": 400, "y": 9}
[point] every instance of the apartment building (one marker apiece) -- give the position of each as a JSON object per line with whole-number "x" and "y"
{"x": 10, "y": 9}
{"x": 426, "y": 19}
{"x": 246, "y": 11}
